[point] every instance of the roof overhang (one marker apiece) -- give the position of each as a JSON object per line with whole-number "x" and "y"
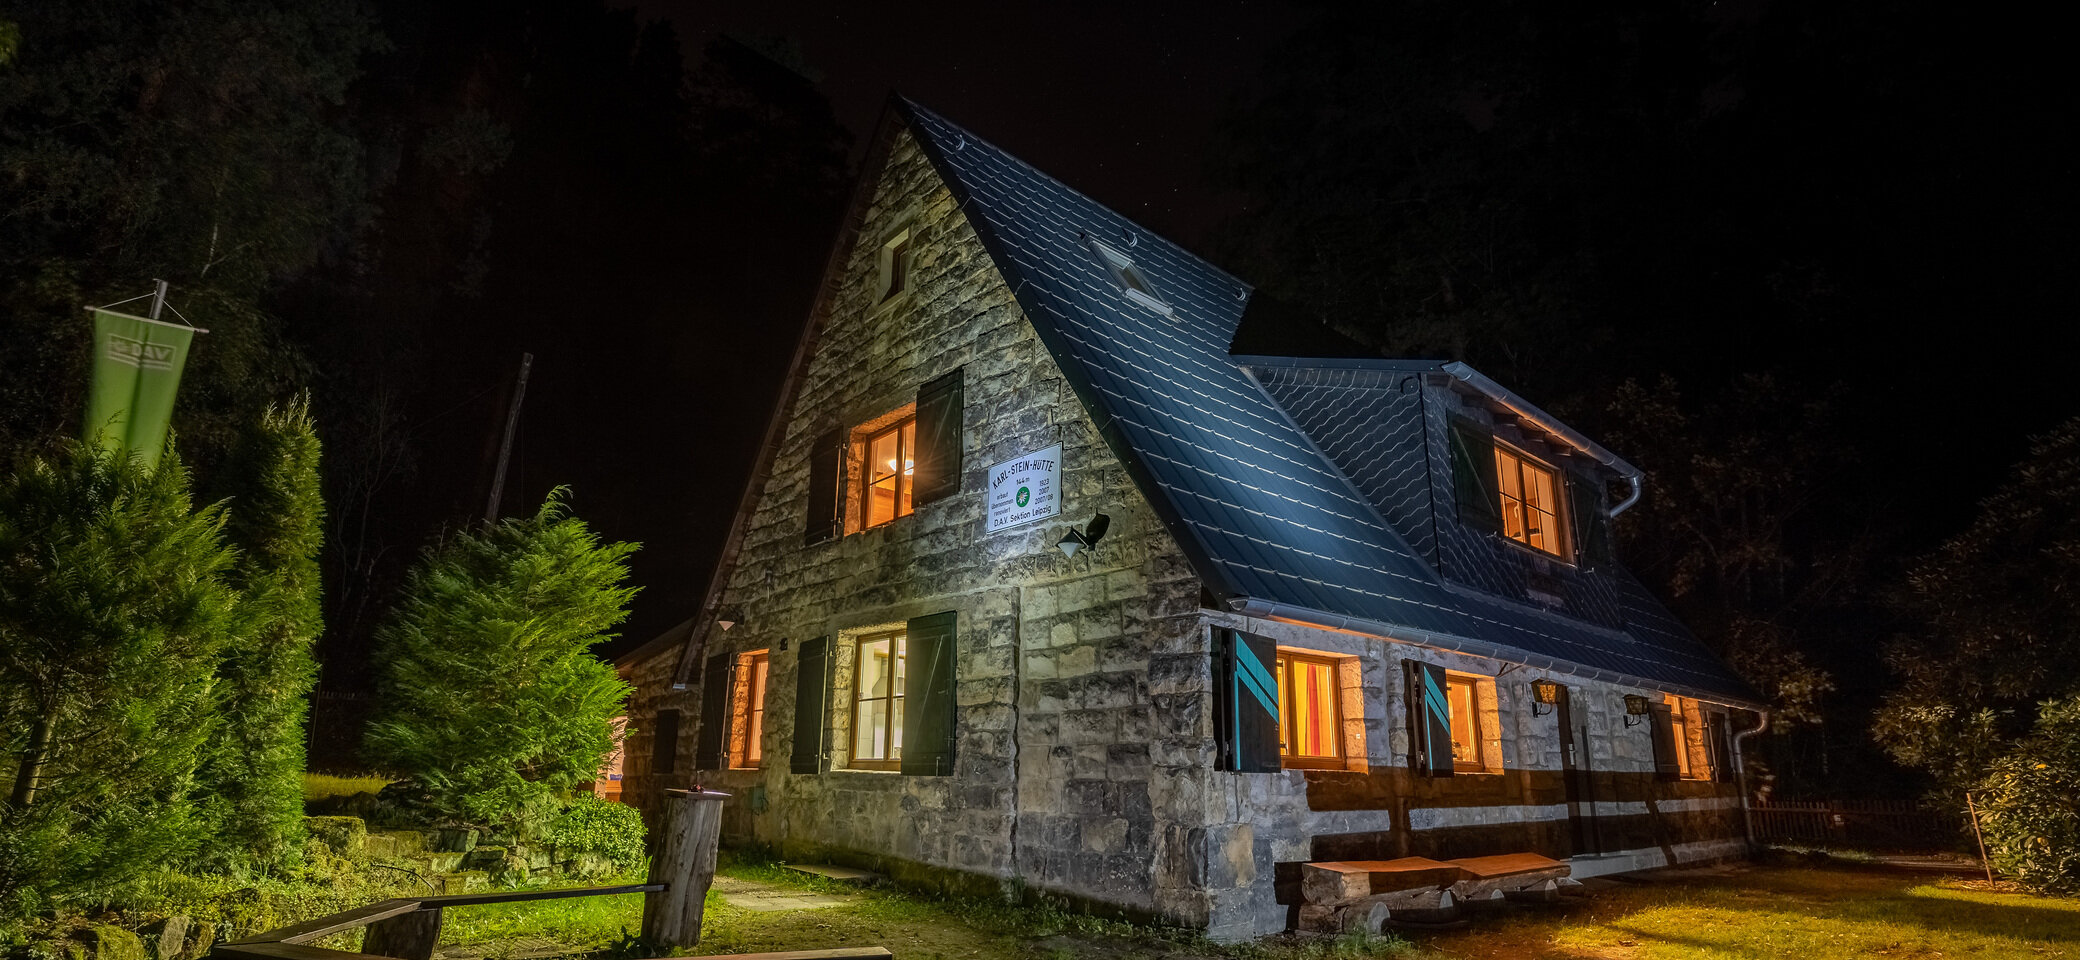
{"x": 1287, "y": 613}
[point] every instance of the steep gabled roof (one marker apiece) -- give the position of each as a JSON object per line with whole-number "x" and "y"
{"x": 1268, "y": 521}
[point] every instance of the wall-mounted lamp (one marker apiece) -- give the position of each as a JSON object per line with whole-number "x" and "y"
{"x": 728, "y": 617}
{"x": 1635, "y": 706}
{"x": 1076, "y": 539}
{"x": 1544, "y": 693}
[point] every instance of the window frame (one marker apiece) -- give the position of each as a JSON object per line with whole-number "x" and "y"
{"x": 894, "y": 266}
{"x": 898, "y": 654}
{"x": 1689, "y": 767}
{"x": 904, "y": 477}
{"x": 1473, "y": 721}
{"x": 1287, "y": 660}
{"x": 748, "y": 710}
{"x": 1563, "y": 527}
{"x": 1130, "y": 278}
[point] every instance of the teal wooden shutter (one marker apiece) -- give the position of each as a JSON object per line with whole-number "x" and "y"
{"x": 1246, "y": 703}
{"x": 812, "y": 706}
{"x": 1592, "y": 522}
{"x": 1474, "y": 487}
{"x": 1666, "y": 766}
{"x": 824, "y": 460}
{"x": 928, "y": 695}
{"x": 715, "y": 697}
{"x": 664, "y": 743}
{"x": 1429, "y": 720}
{"x": 938, "y": 458}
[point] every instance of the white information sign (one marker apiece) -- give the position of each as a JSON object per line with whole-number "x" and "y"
{"x": 1025, "y": 488}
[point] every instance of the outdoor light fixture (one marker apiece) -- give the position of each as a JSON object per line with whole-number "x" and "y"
{"x": 1076, "y": 539}
{"x": 1635, "y": 706}
{"x": 1544, "y": 693}
{"x": 728, "y": 617}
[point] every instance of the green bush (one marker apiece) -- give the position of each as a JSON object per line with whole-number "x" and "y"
{"x": 592, "y": 825}
{"x": 2028, "y": 807}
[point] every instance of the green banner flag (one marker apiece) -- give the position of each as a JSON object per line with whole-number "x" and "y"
{"x": 137, "y": 370}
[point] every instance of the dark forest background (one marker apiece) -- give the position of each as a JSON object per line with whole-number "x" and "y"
{"x": 1805, "y": 263}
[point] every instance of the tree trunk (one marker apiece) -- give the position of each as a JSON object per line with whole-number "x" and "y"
{"x": 25, "y": 779}
{"x": 685, "y": 862}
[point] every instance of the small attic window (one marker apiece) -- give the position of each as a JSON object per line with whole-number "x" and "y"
{"x": 1131, "y": 280}
{"x": 894, "y": 266}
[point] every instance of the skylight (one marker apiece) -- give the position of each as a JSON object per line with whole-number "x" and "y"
{"x": 1129, "y": 277}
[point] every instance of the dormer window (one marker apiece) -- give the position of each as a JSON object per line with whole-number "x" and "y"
{"x": 1530, "y": 501}
{"x": 894, "y": 266}
{"x": 1131, "y": 280}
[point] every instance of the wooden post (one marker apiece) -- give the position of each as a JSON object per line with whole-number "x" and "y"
{"x": 407, "y": 936}
{"x": 1976, "y": 835}
{"x": 685, "y": 863}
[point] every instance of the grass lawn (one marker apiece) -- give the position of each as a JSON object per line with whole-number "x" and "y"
{"x": 1736, "y": 913}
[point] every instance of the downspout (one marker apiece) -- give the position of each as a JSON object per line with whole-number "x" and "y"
{"x": 1740, "y": 769}
{"x": 1630, "y": 499}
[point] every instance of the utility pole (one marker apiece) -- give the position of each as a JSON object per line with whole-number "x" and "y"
{"x": 505, "y": 447}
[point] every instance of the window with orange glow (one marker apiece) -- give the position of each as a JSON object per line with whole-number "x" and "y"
{"x": 1530, "y": 501}
{"x": 1463, "y": 696}
{"x": 1309, "y": 716}
{"x": 1680, "y": 711}
{"x": 749, "y": 707}
{"x": 885, "y": 480}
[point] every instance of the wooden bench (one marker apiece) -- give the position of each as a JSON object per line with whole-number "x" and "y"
{"x": 1340, "y": 896}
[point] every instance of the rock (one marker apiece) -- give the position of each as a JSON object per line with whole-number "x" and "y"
{"x": 111, "y": 942}
{"x": 200, "y": 939}
{"x": 443, "y": 862}
{"x": 593, "y": 865}
{"x": 484, "y": 858}
{"x": 464, "y": 881}
{"x": 509, "y": 872}
{"x": 165, "y": 938}
{"x": 380, "y": 846}
{"x": 346, "y": 836}
{"x": 457, "y": 839}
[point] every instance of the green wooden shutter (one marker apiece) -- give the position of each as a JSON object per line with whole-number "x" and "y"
{"x": 664, "y": 743}
{"x": 1246, "y": 703}
{"x": 1474, "y": 487}
{"x": 1718, "y": 734}
{"x": 1666, "y": 765}
{"x": 938, "y": 457}
{"x": 812, "y": 706}
{"x": 928, "y": 695}
{"x": 715, "y": 697}
{"x": 1592, "y": 522}
{"x": 824, "y": 460}
{"x": 1429, "y": 720}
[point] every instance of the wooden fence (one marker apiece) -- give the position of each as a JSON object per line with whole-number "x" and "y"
{"x": 1860, "y": 824}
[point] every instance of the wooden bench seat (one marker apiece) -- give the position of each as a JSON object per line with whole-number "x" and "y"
{"x": 1488, "y": 878}
{"x": 1339, "y": 881}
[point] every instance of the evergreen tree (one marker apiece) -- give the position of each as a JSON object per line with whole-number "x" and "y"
{"x": 113, "y": 616}
{"x": 492, "y": 700}
{"x": 254, "y": 776}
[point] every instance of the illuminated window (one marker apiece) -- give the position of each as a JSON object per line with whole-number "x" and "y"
{"x": 1310, "y": 722}
{"x": 748, "y": 709}
{"x": 1530, "y": 501}
{"x": 894, "y": 266}
{"x": 877, "y": 702}
{"x": 1463, "y": 694}
{"x": 1686, "y": 726}
{"x": 885, "y": 476}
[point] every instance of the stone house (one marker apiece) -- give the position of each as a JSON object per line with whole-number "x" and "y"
{"x": 1038, "y": 586}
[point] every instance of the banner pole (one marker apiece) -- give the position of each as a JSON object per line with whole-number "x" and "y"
{"x": 158, "y": 297}
{"x": 505, "y": 447}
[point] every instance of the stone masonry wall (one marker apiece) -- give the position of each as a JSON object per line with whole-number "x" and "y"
{"x": 1073, "y": 768}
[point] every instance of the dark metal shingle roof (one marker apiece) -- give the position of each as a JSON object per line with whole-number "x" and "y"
{"x": 1263, "y": 514}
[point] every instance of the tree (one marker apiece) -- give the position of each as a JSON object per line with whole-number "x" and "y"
{"x": 254, "y": 776}
{"x": 491, "y": 699}
{"x": 2027, "y": 806}
{"x": 1996, "y": 622}
{"x": 113, "y": 615}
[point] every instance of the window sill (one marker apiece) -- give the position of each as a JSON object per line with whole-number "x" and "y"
{"x": 1322, "y": 763}
{"x": 878, "y": 771}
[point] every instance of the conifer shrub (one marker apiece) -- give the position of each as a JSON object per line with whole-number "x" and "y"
{"x": 491, "y": 702}
{"x": 114, "y": 613}
{"x": 2028, "y": 807}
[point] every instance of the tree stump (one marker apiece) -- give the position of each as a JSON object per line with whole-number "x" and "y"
{"x": 407, "y": 936}
{"x": 685, "y": 863}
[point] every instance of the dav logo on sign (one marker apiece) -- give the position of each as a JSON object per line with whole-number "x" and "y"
{"x": 139, "y": 354}
{"x": 1024, "y": 489}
